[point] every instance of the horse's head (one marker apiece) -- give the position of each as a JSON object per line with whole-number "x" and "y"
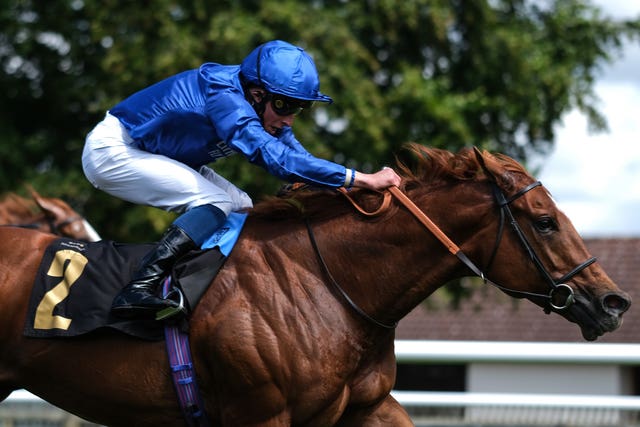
{"x": 539, "y": 255}
{"x": 61, "y": 219}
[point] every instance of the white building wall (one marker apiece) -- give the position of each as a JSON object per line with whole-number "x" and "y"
{"x": 546, "y": 378}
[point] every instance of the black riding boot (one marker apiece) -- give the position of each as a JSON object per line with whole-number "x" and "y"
{"x": 139, "y": 298}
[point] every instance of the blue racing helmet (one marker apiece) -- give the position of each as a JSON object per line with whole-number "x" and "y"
{"x": 285, "y": 69}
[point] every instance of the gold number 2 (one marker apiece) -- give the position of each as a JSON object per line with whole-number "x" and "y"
{"x": 44, "y": 313}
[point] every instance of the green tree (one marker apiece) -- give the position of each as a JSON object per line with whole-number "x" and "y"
{"x": 497, "y": 74}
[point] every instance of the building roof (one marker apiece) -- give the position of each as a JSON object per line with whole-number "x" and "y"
{"x": 492, "y": 316}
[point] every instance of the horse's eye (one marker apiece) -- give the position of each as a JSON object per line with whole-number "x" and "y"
{"x": 546, "y": 224}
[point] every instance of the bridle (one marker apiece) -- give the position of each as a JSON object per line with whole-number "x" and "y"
{"x": 54, "y": 227}
{"x": 560, "y": 296}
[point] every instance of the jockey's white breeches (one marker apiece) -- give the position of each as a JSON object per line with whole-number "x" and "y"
{"x": 112, "y": 164}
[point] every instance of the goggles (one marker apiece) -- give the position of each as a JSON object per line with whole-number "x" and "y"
{"x": 285, "y": 106}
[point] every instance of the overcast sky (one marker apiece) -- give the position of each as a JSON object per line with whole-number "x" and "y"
{"x": 595, "y": 179}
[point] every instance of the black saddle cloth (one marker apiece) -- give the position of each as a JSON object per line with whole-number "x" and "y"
{"x": 77, "y": 281}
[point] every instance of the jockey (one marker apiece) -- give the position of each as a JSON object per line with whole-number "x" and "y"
{"x": 153, "y": 148}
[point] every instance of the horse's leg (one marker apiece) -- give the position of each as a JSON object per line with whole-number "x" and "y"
{"x": 387, "y": 413}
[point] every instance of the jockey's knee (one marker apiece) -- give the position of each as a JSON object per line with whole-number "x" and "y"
{"x": 200, "y": 222}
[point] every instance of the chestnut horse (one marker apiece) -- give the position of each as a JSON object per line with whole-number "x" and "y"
{"x": 45, "y": 214}
{"x": 274, "y": 340}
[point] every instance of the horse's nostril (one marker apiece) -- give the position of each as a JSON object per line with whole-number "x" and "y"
{"x": 615, "y": 303}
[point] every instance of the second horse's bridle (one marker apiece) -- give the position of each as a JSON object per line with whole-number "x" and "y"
{"x": 54, "y": 228}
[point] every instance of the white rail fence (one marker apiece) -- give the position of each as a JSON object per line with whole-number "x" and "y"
{"x": 519, "y": 409}
{"x": 457, "y": 408}
{"x": 409, "y": 351}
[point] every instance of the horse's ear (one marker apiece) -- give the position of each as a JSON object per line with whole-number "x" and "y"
{"x": 35, "y": 196}
{"x": 47, "y": 206}
{"x": 483, "y": 164}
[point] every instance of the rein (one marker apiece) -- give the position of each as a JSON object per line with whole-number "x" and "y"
{"x": 337, "y": 286}
{"x": 53, "y": 227}
{"x": 560, "y": 297}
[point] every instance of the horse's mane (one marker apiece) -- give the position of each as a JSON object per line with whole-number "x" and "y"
{"x": 425, "y": 168}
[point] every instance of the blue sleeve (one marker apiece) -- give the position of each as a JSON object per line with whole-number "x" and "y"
{"x": 284, "y": 157}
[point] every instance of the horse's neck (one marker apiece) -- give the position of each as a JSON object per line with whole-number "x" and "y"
{"x": 387, "y": 266}
{"x": 385, "y": 271}
{"x": 390, "y": 266}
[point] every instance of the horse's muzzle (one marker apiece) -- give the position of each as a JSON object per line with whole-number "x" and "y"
{"x": 597, "y": 316}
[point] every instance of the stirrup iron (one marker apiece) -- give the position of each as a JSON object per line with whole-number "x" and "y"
{"x": 176, "y": 295}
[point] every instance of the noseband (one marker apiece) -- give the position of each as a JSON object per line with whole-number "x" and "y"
{"x": 560, "y": 296}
